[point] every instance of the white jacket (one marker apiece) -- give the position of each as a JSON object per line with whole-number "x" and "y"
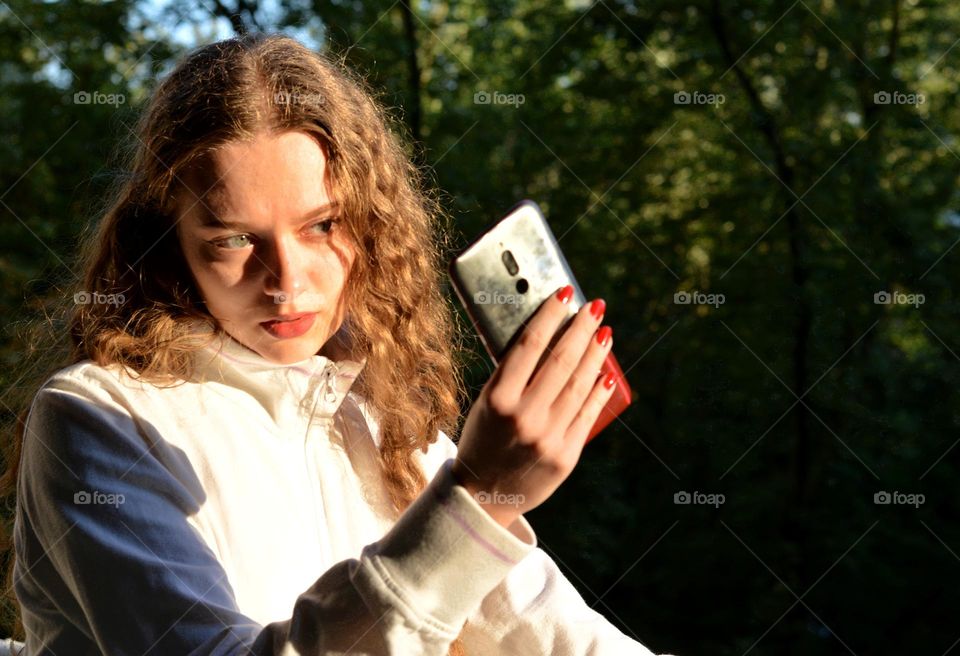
{"x": 243, "y": 514}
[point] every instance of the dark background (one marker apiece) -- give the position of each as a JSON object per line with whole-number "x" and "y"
{"x": 813, "y": 167}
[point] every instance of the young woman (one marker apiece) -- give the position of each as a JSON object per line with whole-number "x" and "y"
{"x": 249, "y": 451}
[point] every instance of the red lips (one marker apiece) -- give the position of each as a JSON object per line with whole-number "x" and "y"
{"x": 288, "y": 317}
{"x": 288, "y": 326}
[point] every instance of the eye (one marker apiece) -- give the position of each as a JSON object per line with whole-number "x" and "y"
{"x": 233, "y": 242}
{"x": 328, "y": 223}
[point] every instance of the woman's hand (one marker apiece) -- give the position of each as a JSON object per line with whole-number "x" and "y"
{"x": 525, "y": 432}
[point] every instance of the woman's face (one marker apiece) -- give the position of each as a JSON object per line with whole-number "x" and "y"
{"x": 261, "y": 237}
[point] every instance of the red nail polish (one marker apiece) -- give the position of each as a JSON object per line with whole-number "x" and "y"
{"x": 597, "y": 308}
{"x": 603, "y": 335}
{"x": 565, "y": 294}
{"x": 609, "y": 381}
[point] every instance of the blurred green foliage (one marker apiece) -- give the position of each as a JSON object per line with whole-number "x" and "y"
{"x": 795, "y": 158}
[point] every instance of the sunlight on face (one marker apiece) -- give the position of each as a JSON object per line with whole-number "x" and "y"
{"x": 262, "y": 239}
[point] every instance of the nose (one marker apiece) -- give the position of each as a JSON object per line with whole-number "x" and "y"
{"x": 286, "y": 271}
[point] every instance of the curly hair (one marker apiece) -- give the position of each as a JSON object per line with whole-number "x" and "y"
{"x": 399, "y": 318}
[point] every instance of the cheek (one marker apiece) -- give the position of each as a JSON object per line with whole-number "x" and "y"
{"x": 332, "y": 270}
{"x": 217, "y": 278}
{"x": 327, "y": 272}
{"x": 344, "y": 257}
{"x": 328, "y": 275}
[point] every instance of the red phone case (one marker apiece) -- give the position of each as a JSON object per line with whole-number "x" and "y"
{"x": 622, "y": 396}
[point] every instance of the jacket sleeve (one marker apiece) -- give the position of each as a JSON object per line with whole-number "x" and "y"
{"x": 103, "y": 540}
{"x": 535, "y": 609}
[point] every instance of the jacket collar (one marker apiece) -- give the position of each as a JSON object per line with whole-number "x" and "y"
{"x": 293, "y": 394}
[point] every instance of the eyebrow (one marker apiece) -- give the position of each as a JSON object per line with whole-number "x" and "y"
{"x": 211, "y": 220}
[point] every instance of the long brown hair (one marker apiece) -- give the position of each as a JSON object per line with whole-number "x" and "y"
{"x": 398, "y": 317}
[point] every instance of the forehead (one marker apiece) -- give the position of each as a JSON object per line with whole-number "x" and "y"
{"x": 269, "y": 174}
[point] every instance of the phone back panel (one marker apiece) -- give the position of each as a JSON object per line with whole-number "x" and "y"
{"x": 504, "y": 276}
{"x": 491, "y": 293}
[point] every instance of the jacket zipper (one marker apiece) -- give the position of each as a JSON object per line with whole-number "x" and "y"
{"x": 328, "y": 393}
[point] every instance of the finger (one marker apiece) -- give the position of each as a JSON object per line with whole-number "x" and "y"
{"x": 514, "y": 371}
{"x": 587, "y": 416}
{"x": 581, "y": 382}
{"x": 563, "y": 358}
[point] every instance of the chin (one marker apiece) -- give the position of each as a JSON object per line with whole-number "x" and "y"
{"x": 280, "y": 351}
{"x": 286, "y": 354}
{"x": 289, "y": 351}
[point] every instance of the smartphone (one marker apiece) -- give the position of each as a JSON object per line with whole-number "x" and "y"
{"x": 504, "y": 276}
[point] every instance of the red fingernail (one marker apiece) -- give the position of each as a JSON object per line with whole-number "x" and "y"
{"x": 597, "y": 308}
{"x": 565, "y": 294}
{"x": 603, "y": 335}
{"x": 609, "y": 381}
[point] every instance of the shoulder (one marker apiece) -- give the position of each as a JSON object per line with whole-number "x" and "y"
{"x": 86, "y": 392}
{"x": 91, "y": 379}
{"x": 86, "y": 380}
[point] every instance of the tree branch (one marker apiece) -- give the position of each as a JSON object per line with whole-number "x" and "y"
{"x": 414, "y": 76}
{"x": 799, "y": 272}
{"x": 235, "y": 18}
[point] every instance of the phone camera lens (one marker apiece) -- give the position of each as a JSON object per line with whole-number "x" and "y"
{"x": 510, "y": 263}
